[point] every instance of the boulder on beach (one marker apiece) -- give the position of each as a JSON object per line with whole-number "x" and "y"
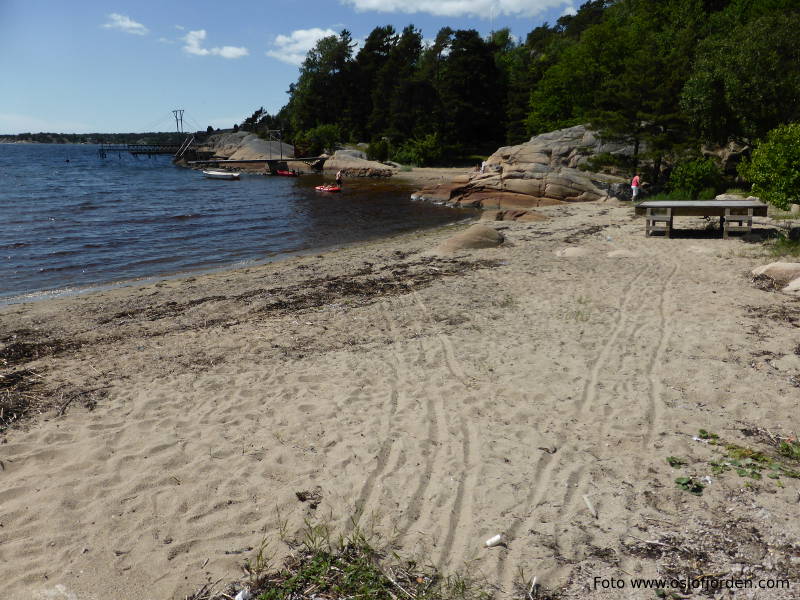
{"x": 352, "y": 165}
{"x": 780, "y": 273}
{"x": 477, "y": 236}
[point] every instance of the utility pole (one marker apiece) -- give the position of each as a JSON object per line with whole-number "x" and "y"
{"x": 178, "y": 112}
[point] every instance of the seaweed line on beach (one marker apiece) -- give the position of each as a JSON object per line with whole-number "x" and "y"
{"x": 361, "y": 287}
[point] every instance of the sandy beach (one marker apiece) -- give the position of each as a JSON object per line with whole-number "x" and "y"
{"x": 534, "y": 390}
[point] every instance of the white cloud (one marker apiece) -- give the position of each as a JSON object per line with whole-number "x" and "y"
{"x": 194, "y": 45}
{"x": 293, "y": 48}
{"x": 569, "y": 10}
{"x": 230, "y": 51}
{"x": 459, "y": 8}
{"x": 126, "y": 24}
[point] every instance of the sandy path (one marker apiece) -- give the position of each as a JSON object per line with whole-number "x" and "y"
{"x": 491, "y": 399}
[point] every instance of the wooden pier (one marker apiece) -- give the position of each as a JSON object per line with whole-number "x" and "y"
{"x": 175, "y": 150}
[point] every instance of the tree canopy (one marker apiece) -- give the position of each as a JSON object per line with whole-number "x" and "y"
{"x": 662, "y": 75}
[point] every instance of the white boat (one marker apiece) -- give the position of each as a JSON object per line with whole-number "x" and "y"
{"x": 221, "y": 174}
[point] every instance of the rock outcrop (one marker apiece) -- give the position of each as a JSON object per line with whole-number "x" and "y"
{"x": 541, "y": 172}
{"x": 243, "y": 145}
{"x": 351, "y": 164}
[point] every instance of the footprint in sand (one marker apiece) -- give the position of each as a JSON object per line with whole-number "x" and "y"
{"x": 622, "y": 254}
{"x": 572, "y": 252}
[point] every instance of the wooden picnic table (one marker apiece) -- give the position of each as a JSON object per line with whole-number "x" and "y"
{"x": 659, "y": 213}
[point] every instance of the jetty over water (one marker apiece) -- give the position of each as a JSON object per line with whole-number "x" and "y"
{"x": 137, "y": 149}
{"x": 189, "y": 145}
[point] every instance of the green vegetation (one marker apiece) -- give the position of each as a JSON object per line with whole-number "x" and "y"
{"x": 754, "y": 464}
{"x": 662, "y": 76}
{"x": 698, "y": 178}
{"x": 675, "y": 462}
{"x": 349, "y": 567}
{"x": 784, "y": 246}
{"x": 707, "y": 435}
{"x": 690, "y": 485}
{"x": 774, "y": 169}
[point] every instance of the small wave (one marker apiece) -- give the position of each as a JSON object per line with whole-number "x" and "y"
{"x": 65, "y": 268}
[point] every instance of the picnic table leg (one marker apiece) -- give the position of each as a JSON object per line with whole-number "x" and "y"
{"x": 723, "y": 221}
{"x": 669, "y": 223}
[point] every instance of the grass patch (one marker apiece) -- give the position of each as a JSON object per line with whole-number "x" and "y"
{"x": 790, "y": 449}
{"x": 783, "y": 246}
{"x": 349, "y": 567}
{"x": 755, "y": 464}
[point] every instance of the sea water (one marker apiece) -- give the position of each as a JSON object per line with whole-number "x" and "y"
{"x": 71, "y": 220}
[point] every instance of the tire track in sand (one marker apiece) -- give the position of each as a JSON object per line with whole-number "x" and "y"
{"x": 654, "y": 410}
{"x": 462, "y": 448}
{"x": 388, "y": 448}
{"x": 590, "y": 385}
{"x": 542, "y": 482}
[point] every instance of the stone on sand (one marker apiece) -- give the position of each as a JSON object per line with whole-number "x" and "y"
{"x": 793, "y": 289}
{"x": 781, "y": 273}
{"x": 477, "y": 236}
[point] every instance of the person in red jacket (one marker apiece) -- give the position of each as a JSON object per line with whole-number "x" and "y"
{"x": 635, "y": 182}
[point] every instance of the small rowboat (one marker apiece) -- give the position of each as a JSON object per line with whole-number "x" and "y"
{"x": 288, "y": 173}
{"x": 221, "y": 174}
{"x": 328, "y": 188}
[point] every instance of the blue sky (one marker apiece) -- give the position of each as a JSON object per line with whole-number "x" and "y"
{"x": 105, "y": 66}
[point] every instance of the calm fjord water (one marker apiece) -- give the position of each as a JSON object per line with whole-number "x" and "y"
{"x": 69, "y": 219}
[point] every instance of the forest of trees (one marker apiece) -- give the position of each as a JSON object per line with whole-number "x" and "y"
{"x": 663, "y": 75}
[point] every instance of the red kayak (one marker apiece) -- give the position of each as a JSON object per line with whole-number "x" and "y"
{"x": 288, "y": 173}
{"x": 328, "y": 188}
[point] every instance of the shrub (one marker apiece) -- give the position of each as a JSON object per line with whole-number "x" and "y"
{"x": 774, "y": 168}
{"x": 378, "y": 150}
{"x": 422, "y": 152}
{"x": 317, "y": 140}
{"x": 696, "y": 177}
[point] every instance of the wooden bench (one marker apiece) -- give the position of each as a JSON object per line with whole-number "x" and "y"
{"x": 735, "y": 215}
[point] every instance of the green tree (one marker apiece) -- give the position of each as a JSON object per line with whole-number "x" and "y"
{"x": 746, "y": 81}
{"x": 774, "y": 168}
{"x": 696, "y": 178}
{"x": 473, "y": 117}
{"x": 320, "y": 94}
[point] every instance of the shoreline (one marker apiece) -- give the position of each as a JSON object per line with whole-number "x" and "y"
{"x": 445, "y": 399}
{"x": 408, "y": 181}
